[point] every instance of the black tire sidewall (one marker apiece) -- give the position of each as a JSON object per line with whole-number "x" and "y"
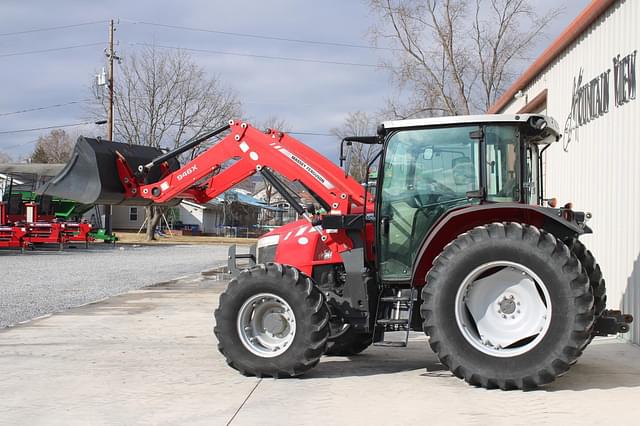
{"x": 518, "y": 251}
{"x": 286, "y": 287}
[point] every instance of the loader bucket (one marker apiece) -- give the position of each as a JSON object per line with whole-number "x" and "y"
{"x": 91, "y": 176}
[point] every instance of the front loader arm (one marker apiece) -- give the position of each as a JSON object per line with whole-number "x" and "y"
{"x": 206, "y": 176}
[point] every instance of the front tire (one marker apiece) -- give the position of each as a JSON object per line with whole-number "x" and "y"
{"x": 272, "y": 321}
{"x": 507, "y": 306}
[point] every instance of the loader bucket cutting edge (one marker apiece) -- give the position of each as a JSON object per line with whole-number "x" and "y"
{"x": 91, "y": 176}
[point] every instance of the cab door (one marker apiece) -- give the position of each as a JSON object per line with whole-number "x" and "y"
{"x": 425, "y": 173}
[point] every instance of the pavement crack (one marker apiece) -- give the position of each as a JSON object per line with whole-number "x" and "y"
{"x": 244, "y": 402}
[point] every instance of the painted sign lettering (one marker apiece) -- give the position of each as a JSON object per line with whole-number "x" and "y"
{"x": 590, "y": 100}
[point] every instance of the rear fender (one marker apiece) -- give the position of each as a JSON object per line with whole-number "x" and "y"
{"x": 459, "y": 221}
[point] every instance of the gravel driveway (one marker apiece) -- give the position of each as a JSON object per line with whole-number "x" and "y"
{"x": 42, "y": 282}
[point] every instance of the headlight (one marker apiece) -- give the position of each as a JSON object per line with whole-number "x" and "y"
{"x": 266, "y": 248}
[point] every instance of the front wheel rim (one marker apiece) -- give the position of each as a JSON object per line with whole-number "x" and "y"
{"x": 503, "y": 309}
{"x": 266, "y": 325}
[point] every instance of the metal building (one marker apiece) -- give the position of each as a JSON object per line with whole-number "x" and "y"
{"x": 586, "y": 80}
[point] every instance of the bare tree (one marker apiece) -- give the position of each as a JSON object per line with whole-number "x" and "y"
{"x": 455, "y": 56}
{"x": 5, "y": 158}
{"x": 56, "y": 147}
{"x": 163, "y": 98}
{"x": 359, "y": 124}
{"x": 273, "y": 123}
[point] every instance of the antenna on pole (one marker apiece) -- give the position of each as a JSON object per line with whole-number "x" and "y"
{"x": 111, "y": 56}
{"x": 100, "y": 83}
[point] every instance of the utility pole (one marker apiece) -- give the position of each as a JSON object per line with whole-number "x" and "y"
{"x": 111, "y": 56}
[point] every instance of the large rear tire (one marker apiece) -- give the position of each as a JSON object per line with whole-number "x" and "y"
{"x": 596, "y": 280}
{"x": 272, "y": 321}
{"x": 507, "y": 306}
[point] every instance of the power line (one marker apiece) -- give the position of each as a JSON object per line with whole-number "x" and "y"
{"x": 249, "y": 55}
{"x": 264, "y": 37}
{"x": 18, "y": 145}
{"x": 6, "y": 132}
{"x": 310, "y": 133}
{"x": 54, "y": 49}
{"x": 61, "y": 27}
{"x": 22, "y": 111}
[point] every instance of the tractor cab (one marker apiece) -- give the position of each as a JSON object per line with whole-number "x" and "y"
{"x": 431, "y": 166}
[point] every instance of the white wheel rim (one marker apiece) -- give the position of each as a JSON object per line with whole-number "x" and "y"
{"x": 266, "y": 325}
{"x": 503, "y": 309}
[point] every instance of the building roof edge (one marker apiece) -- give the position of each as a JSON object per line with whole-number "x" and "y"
{"x": 570, "y": 34}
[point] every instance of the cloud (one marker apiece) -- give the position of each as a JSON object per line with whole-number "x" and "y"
{"x": 310, "y": 96}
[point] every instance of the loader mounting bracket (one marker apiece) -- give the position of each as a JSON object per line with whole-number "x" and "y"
{"x": 233, "y": 256}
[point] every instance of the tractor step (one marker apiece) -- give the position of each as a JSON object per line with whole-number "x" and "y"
{"x": 402, "y": 321}
{"x": 391, "y": 344}
{"x": 394, "y": 315}
{"x": 395, "y": 299}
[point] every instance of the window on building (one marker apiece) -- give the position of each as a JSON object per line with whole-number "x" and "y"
{"x": 133, "y": 214}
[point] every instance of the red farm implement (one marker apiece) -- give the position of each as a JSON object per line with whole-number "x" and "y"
{"x": 30, "y": 232}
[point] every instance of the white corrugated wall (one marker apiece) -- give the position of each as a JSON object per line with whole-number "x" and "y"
{"x": 600, "y": 172}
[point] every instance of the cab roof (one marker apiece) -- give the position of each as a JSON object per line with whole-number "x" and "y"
{"x": 470, "y": 119}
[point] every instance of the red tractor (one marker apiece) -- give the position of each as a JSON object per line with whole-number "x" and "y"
{"x": 456, "y": 243}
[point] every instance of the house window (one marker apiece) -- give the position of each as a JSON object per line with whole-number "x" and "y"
{"x": 133, "y": 214}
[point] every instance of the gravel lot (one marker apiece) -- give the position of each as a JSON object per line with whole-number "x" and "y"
{"x": 42, "y": 282}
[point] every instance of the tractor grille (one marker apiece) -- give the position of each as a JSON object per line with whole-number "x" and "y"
{"x": 266, "y": 254}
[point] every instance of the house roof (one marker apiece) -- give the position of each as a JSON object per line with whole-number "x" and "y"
{"x": 575, "y": 29}
{"x": 249, "y": 200}
{"x": 234, "y": 195}
{"x": 46, "y": 170}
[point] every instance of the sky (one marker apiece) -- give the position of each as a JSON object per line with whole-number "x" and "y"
{"x": 311, "y": 97}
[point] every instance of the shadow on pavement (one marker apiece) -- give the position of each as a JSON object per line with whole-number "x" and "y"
{"x": 376, "y": 360}
{"x": 604, "y": 365}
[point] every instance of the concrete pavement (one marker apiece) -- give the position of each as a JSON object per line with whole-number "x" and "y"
{"x": 44, "y": 281}
{"x": 149, "y": 357}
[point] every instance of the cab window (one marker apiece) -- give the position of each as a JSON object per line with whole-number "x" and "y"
{"x": 426, "y": 173}
{"x": 502, "y": 163}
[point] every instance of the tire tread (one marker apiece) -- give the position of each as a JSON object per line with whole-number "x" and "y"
{"x": 319, "y": 319}
{"x": 558, "y": 254}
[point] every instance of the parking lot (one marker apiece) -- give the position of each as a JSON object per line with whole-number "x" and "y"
{"x": 149, "y": 357}
{"x": 44, "y": 281}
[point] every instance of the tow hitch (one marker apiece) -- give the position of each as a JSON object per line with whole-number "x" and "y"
{"x": 612, "y": 322}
